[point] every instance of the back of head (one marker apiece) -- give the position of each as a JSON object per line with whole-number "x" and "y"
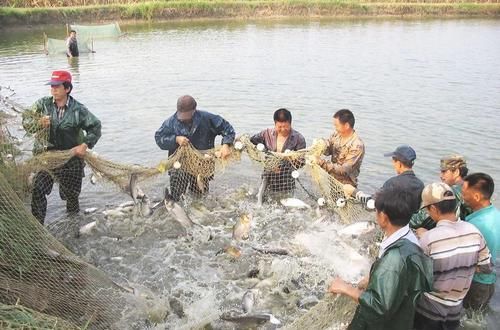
{"x": 396, "y": 203}
{"x": 345, "y": 116}
{"x": 186, "y": 103}
{"x": 454, "y": 162}
{"x": 482, "y": 183}
{"x": 282, "y": 115}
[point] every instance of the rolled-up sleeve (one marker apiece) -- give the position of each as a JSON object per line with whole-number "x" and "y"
{"x": 258, "y": 138}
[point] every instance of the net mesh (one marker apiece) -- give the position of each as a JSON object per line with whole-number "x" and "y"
{"x": 58, "y": 46}
{"x": 38, "y": 272}
{"x": 87, "y": 32}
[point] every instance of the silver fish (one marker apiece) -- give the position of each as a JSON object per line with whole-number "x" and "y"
{"x": 90, "y": 210}
{"x": 135, "y": 192}
{"x": 87, "y": 229}
{"x": 271, "y": 250}
{"x": 248, "y": 301}
{"x": 357, "y": 228}
{"x": 262, "y": 189}
{"x": 294, "y": 203}
{"x": 251, "y": 319}
{"x": 242, "y": 228}
{"x": 200, "y": 183}
{"x": 178, "y": 213}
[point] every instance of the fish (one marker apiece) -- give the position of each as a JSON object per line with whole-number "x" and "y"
{"x": 135, "y": 191}
{"x": 248, "y": 301}
{"x": 200, "y": 183}
{"x": 294, "y": 203}
{"x": 88, "y": 228}
{"x": 270, "y": 250}
{"x": 90, "y": 210}
{"x": 242, "y": 228}
{"x": 114, "y": 213}
{"x": 262, "y": 189}
{"x": 177, "y": 211}
{"x": 357, "y": 228}
{"x": 251, "y": 319}
{"x": 95, "y": 177}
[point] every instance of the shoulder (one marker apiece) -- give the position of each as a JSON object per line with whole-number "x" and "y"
{"x": 298, "y": 135}
{"x": 357, "y": 140}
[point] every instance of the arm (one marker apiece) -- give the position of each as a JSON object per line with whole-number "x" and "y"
{"x": 68, "y": 51}
{"x": 340, "y": 286}
{"x": 92, "y": 127}
{"x": 484, "y": 264}
{"x": 224, "y": 128}
{"x": 354, "y": 156}
{"x": 258, "y": 138}
{"x": 165, "y": 136}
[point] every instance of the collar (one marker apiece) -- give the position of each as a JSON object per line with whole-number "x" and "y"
{"x": 67, "y": 101}
{"x": 403, "y": 232}
{"x": 446, "y": 222}
{"x": 479, "y": 212}
{"x": 407, "y": 172}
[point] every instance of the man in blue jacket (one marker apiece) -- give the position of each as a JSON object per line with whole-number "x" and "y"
{"x": 189, "y": 125}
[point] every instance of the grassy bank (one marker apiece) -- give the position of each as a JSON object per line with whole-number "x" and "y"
{"x": 180, "y": 9}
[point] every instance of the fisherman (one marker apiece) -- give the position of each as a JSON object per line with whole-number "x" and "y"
{"x": 71, "y": 126}
{"x": 72, "y": 45}
{"x": 453, "y": 170}
{"x": 345, "y": 148}
{"x": 400, "y": 274}
{"x": 189, "y": 125}
{"x": 476, "y": 192}
{"x": 458, "y": 251}
{"x": 403, "y": 159}
{"x": 281, "y": 138}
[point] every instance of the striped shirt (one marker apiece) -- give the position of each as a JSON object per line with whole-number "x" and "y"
{"x": 456, "y": 249}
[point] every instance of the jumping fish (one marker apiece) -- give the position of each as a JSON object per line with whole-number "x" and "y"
{"x": 248, "y": 301}
{"x": 200, "y": 184}
{"x": 242, "y": 228}
{"x": 87, "y": 229}
{"x": 357, "y": 228}
{"x": 177, "y": 211}
{"x": 294, "y": 203}
{"x": 262, "y": 189}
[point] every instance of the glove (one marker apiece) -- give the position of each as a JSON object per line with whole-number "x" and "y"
{"x": 363, "y": 197}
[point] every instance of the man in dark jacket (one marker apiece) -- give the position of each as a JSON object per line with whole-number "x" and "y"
{"x": 189, "y": 125}
{"x": 69, "y": 125}
{"x": 281, "y": 138}
{"x": 400, "y": 274}
{"x": 72, "y": 45}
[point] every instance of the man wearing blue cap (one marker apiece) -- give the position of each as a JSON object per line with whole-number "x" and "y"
{"x": 403, "y": 159}
{"x": 59, "y": 122}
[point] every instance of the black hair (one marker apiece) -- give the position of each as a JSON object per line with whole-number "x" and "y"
{"x": 345, "y": 116}
{"x": 463, "y": 171}
{"x": 72, "y": 31}
{"x": 447, "y": 206}
{"x": 186, "y": 103}
{"x": 405, "y": 162}
{"x": 67, "y": 85}
{"x": 282, "y": 115}
{"x": 396, "y": 203}
{"x": 482, "y": 182}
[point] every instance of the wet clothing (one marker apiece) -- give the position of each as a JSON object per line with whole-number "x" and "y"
{"x": 346, "y": 158}
{"x": 463, "y": 210}
{"x": 70, "y": 126}
{"x": 396, "y": 281}
{"x": 408, "y": 181}
{"x": 423, "y": 323}
{"x": 487, "y": 220}
{"x": 77, "y": 125}
{"x": 457, "y": 249}
{"x": 72, "y": 45}
{"x": 479, "y": 295}
{"x": 201, "y": 132}
{"x": 282, "y": 180}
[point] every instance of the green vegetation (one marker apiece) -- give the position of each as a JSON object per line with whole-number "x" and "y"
{"x": 102, "y": 10}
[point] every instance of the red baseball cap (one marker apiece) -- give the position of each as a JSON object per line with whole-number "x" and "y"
{"x": 59, "y": 77}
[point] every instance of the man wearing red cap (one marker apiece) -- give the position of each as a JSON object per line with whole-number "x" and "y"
{"x": 68, "y": 125}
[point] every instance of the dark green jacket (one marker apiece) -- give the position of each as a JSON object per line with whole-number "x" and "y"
{"x": 77, "y": 126}
{"x": 396, "y": 280}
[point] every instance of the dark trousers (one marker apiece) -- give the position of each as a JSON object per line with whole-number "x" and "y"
{"x": 479, "y": 295}
{"x": 424, "y": 323}
{"x": 69, "y": 177}
{"x": 180, "y": 181}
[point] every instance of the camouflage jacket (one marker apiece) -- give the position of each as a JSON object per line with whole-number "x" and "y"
{"x": 346, "y": 158}
{"x": 78, "y": 125}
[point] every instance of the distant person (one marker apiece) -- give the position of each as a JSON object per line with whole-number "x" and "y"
{"x": 458, "y": 250}
{"x": 71, "y": 127}
{"x": 345, "y": 148}
{"x": 190, "y": 125}
{"x": 401, "y": 273}
{"x": 453, "y": 171}
{"x": 281, "y": 138}
{"x": 477, "y": 191}
{"x": 403, "y": 159}
{"x": 72, "y": 45}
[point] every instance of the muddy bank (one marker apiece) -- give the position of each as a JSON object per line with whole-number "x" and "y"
{"x": 245, "y": 9}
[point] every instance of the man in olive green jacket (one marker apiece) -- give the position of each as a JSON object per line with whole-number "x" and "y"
{"x": 397, "y": 278}
{"x": 59, "y": 122}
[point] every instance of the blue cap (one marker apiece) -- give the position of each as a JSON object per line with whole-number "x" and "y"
{"x": 403, "y": 152}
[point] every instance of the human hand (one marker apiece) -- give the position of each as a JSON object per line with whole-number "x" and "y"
{"x": 225, "y": 151}
{"x": 363, "y": 283}
{"x": 182, "y": 140}
{"x": 45, "y": 121}
{"x": 80, "y": 150}
{"x": 338, "y": 285}
{"x": 348, "y": 189}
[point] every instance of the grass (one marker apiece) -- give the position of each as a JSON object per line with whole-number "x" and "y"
{"x": 179, "y": 9}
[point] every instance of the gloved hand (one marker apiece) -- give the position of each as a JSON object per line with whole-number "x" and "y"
{"x": 363, "y": 197}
